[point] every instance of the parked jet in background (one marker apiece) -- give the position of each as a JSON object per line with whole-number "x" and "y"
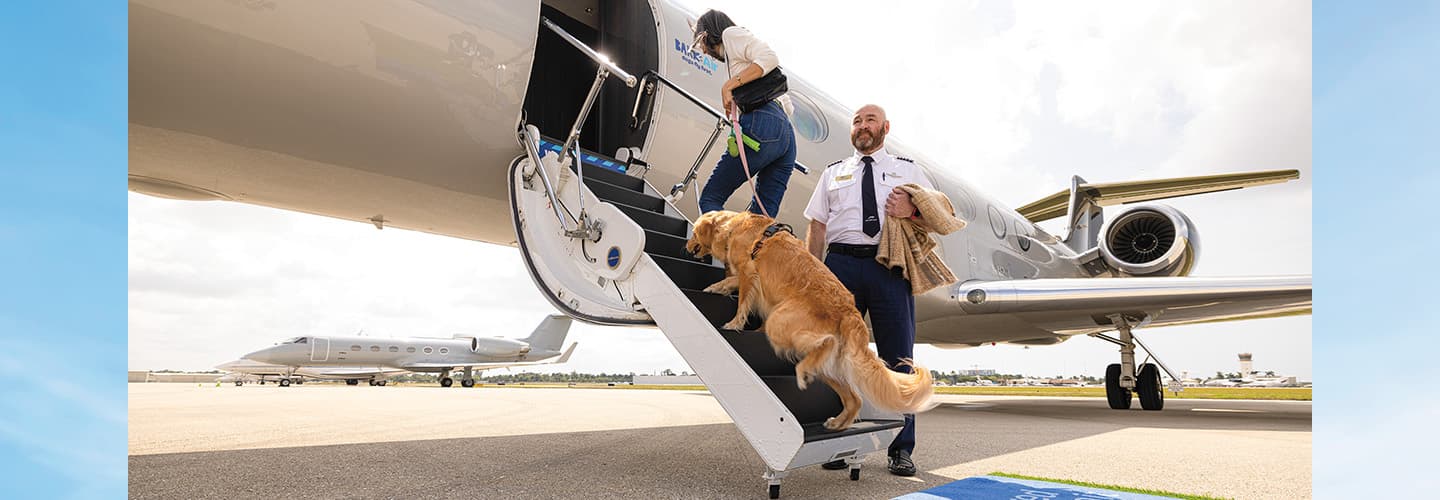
{"x": 421, "y": 354}
{"x": 247, "y": 370}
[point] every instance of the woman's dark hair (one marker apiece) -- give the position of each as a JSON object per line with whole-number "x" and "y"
{"x": 713, "y": 23}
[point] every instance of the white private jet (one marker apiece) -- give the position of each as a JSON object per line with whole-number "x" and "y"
{"x": 246, "y": 370}
{"x": 574, "y": 129}
{"x": 419, "y": 354}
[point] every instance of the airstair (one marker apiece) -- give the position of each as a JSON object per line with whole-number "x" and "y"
{"x": 605, "y": 246}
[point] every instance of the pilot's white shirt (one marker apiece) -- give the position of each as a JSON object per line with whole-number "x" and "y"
{"x": 836, "y": 201}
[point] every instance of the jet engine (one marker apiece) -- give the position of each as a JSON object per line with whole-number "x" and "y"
{"x": 1150, "y": 240}
{"x": 498, "y": 347}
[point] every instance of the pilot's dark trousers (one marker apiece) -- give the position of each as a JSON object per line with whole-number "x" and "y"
{"x": 885, "y": 296}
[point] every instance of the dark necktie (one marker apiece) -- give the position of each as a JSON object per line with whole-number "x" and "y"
{"x": 871, "y": 221}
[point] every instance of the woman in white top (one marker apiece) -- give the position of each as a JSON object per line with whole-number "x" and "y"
{"x": 758, "y": 87}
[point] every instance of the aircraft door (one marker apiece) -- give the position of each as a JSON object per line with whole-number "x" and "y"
{"x": 319, "y": 349}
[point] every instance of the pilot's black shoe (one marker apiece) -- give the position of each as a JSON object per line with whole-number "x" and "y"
{"x": 901, "y": 465}
{"x": 835, "y": 465}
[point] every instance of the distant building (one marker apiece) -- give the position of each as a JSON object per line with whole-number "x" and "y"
{"x": 977, "y": 373}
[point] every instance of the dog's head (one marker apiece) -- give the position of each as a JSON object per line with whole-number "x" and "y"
{"x": 702, "y": 242}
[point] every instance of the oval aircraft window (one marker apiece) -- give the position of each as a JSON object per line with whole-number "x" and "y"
{"x": 444, "y": 350}
{"x": 409, "y": 349}
{"x": 374, "y": 348}
{"x": 355, "y": 348}
{"x": 394, "y": 349}
{"x": 808, "y": 121}
{"x": 427, "y": 350}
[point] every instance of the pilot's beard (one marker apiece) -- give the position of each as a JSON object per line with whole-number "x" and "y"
{"x": 866, "y": 142}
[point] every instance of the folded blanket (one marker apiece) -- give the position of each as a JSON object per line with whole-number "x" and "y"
{"x": 906, "y": 243}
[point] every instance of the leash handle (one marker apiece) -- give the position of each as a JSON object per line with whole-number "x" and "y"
{"x": 739, "y": 139}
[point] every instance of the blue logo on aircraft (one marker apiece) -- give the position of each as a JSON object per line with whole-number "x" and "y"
{"x": 613, "y": 257}
{"x": 696, "y": 58}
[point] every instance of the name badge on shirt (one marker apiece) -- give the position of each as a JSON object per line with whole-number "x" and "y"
{"x": 843, "y": 178}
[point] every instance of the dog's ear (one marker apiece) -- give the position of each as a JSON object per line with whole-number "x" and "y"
{"x": 703, "y": 235}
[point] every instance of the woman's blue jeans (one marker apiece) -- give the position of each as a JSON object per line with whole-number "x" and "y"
{"x": 771, "y": 165}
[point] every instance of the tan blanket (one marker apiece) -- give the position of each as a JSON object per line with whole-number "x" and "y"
{"x": 906, "y": 243}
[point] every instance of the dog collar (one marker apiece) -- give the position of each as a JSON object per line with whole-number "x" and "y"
{"x": 770, "y": 231}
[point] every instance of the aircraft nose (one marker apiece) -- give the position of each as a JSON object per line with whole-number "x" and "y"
{"x": 266, "y": 355}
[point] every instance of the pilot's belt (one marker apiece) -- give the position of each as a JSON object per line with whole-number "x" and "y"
{"x": 864, "y": 251}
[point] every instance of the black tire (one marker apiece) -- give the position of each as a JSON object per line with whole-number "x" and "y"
{"x": 1149, "y": 388}
{"x": 381, "y": 383}
{"x": 1118, "y": 397}
{"x": 855, "y": 474}
{"x": 372, "y": 383}
{"x": 351, "y": 381}
{"x": 469, "y": 382}
{"x": 774, "y": 491}
{"x": 447, "y": 382}
{"x": 284, "y": 382}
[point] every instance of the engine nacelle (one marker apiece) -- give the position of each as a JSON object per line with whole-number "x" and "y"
{"x": 1150, "y": 240}
{"x": 499, "y": 348}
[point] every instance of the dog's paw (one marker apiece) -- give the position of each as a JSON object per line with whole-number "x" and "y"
{"x": 836, "y": 424}
{"x": 734, "y": 324}
{"x": 721, "y": 288}
{"x": 802, "y": 383}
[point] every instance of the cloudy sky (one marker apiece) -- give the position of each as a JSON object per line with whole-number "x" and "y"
{"x": 1013, "y": 98}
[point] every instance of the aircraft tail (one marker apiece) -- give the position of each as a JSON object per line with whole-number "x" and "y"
{"x": 550, "y": 335}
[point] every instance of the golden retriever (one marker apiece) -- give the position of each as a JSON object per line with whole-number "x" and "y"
{"x": 810, "y": 317}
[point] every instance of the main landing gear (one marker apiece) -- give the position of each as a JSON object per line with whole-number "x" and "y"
{"x": 466, "y": 381}
{"x": 1122, "y": 379}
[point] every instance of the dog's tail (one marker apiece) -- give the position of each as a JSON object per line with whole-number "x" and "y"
{"x": 867, "y": 373}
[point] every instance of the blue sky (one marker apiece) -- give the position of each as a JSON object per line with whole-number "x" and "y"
{"x": 62, "y": 239}
{"x": 1376, "y": 155}
{"x": 63, "y": 236}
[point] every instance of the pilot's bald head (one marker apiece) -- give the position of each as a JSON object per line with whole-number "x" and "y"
{"x": 869, "y": 128}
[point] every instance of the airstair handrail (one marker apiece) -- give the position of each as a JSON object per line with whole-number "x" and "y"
{"x": 652, "y": 75}
{"x": 529, "y": 140}
{"x": 591, "y": 53}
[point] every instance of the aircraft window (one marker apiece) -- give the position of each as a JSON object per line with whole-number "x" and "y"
{"x": 409, "y": 349}
{"x": 354, "y": 348}
{"x": 394, "y": 349}
{"x": 302, "y": 340}
{"x": 427, "y": 350}
{"x": 374, "y": 348}
{"x": 292, "y": 340}
{"x": 444, "y": 350}
{"x": 808, "y": 121}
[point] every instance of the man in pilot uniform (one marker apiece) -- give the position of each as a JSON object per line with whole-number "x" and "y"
{"x": 845, "y": 215}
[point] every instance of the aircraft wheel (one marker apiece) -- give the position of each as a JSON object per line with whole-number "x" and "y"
{"x": 469, "y": 382}
{"x": 447, "y": 382}
{"x": 284, "y": 382}
{"x": 351, "y": 381}
{"x": 1118, "y": 397}
{"x": 381, "y": 383}
{"x": 238, "y": 384}
{"x": 1149, "y": 388}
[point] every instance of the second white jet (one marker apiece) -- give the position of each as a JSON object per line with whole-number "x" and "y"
{"x": 420, "y": 354}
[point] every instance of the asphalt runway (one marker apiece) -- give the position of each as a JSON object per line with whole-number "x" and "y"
{"x": 327, "y": 441}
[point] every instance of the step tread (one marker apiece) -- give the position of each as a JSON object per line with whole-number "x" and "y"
{"x": 818, "y": 432}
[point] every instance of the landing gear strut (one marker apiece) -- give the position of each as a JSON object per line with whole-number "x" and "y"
{"x": 1121, "y": 379}
{"x": 467, "y": 380}
{"x": 445, "y": 380}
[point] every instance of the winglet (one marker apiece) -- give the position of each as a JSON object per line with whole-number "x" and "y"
{"x": 566, "y": 357}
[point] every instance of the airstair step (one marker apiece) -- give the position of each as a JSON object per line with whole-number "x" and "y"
{"x": 688, "y": 273}
{"x": 655, "y": 222}
{"x": 814, "y": 404}
{"x": 754, "y": 348}
{"x": 657, "y": 243}
{"x": 818, "y": 432}
{"x": 616, "y": 194}
{"x": 719, "y": 309}
{"x": 613, "y": 177}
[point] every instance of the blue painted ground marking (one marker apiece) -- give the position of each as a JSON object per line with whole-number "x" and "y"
{"x": 996, "y": 487}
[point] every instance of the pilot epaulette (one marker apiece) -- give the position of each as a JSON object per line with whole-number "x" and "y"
{"x": 904, "y": 158}
{"x": 837, "y": 162}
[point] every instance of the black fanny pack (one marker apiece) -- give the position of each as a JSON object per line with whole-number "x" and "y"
{"x": 753, "y": 95}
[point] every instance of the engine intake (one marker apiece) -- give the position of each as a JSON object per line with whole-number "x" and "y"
{"x": 1150, "y": 240}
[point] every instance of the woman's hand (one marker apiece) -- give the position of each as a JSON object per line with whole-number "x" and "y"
{"x": 727, "y": 99}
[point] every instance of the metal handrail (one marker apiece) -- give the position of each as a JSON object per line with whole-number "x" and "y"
{"x": 534, "y": 154}
{"x": 596, "y": 56}
{"x": 721, "y": 122}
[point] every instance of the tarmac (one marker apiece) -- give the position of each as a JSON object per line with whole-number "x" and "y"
{"x": 336, "y": 441}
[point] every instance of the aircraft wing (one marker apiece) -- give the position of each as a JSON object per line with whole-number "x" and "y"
{"x": 1066, "y": 307}
{"x": 487, "y": 366}
{"x": 1115, "y": 193}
